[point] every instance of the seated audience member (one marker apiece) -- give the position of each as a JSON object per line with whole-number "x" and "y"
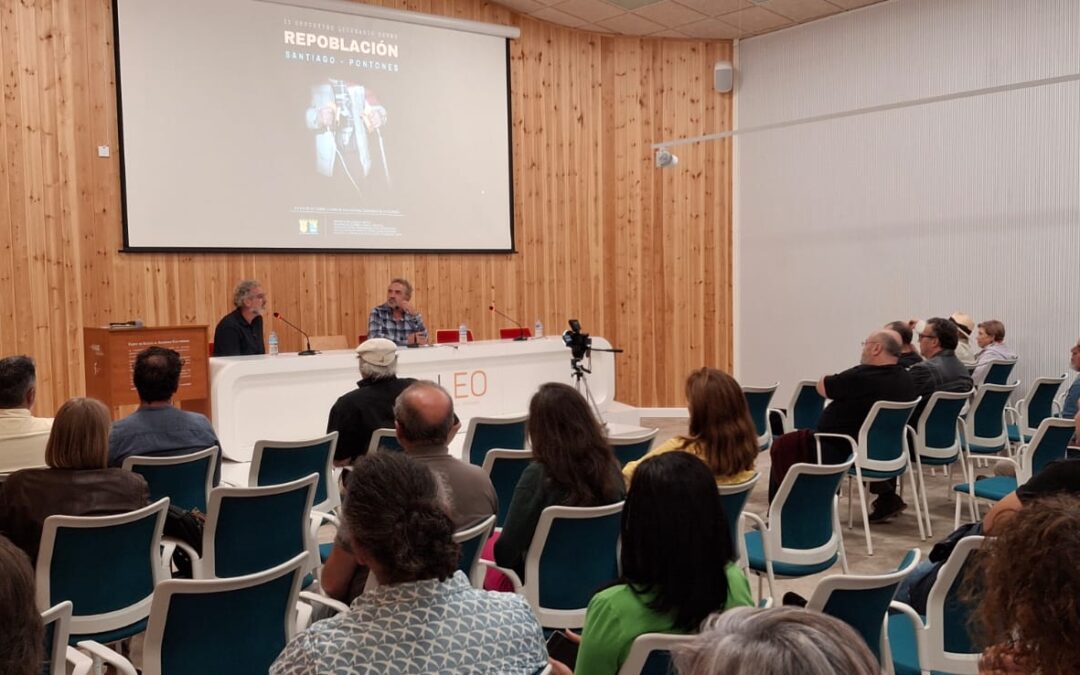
{"x": 1026, "y": 586}
{"x": 721, "y": 432}
{"x": 678, "y": 563}
{"x": 22, "y": 436}
{"x": 424, "y": 418}
{"x": 424, "y": 617}
{"x": 991, "y": 341}
{"x": 240, "y": 332}
{"x": 21, "y": 634}
{"x": 908, "y": 355}
{"x": 158, "y": 427}
{"x": 573, "y": 465}
{"x": 1058, "y": 477}
{"x": 939, "y": 371}
{"x": 359, "y": 413}
{"x": 77, "y": 482}
{"x": 397, "y": 318}
{"x": 878, "y": 377}
{"x": 1071, "y": 405}
{"x": 778, "y": 641}
{"x": 965, "y": 326}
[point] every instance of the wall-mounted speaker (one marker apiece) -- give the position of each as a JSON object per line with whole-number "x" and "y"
{"x": 723, "y": 76}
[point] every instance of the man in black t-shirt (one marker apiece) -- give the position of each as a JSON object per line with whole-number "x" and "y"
{"x": 240, "y": 332}
{"x": 878, "y": 377}
{"x": 1062, "y": 475}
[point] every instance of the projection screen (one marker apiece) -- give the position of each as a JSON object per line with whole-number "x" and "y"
{"x": 254, "y": 125}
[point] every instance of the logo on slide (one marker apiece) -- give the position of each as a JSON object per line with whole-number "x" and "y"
{"x": 309, "y": 226}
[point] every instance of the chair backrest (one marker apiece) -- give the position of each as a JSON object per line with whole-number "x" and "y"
{"x": 1050, "y": 442}
{"x": 384, "y": 440}
{"x": 758, "y": 399}
{"x": 806, "y": 406}
{"x": 650, "y": 654}
{"x": 573, "y": 553}
{"x": 472, "y": 540}
{"x": 734, "y": 497}
{"x": 220, "y": 626}
{"x": 938, "y": 434}
{"x": 324, "y": 343}
{"x": 950, "y": 647}
{"x": 450, "y": 335}
{"x": 250, "y": 530}
{"x": 803, "y": 522}
{"x": 1039, "y": 402}
{"x": 883, "y": 439}
{"x": 277, "y": 462}
{"x": 862, "y": 601}
{"x": 985, "y": 423}
{"x": 998, "y": 371}
{"x": 185, "y": 479}
{"x": 632, "y": 448}
{"x": 514, "y": 333}
{"x": 485, "y": 433}
{"x": 504, "y": 468}
{"x": 107, "y": 566}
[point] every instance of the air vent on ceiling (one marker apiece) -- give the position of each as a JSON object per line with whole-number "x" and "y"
{"x": 634, "y": 4}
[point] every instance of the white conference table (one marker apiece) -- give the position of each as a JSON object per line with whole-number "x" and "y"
{"x": 288, "y": 397}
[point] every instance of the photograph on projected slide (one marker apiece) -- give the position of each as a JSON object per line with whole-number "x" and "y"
{"x": 348, "y": 120}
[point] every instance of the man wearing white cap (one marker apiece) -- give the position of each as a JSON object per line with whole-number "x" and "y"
{"x": 357, "y": 414}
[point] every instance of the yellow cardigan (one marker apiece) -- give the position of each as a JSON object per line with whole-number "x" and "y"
{"x": 676, "y": 444}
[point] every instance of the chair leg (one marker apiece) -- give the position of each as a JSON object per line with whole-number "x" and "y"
{"x": 956, "y": 515}
{"x": 925, "y": 502}
{"x": 865, "y": 518}
{"x": 918, "y": 509}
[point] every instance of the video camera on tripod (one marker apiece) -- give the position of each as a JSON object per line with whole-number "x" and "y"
{"x": 578, "y": 342}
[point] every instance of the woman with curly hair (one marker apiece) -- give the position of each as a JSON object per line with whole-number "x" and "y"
{"x": 721, "y": 432}
{"x": 573, "y": 465}
{"x": 1028, "y": 591}
{"x": 425, "y": 616}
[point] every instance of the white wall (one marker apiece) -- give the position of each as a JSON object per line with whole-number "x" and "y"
{"x": 972, "y": 204}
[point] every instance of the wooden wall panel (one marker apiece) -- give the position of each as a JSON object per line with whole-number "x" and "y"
{"x": 639, "y": 255}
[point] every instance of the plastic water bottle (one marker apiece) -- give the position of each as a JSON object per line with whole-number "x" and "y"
{"x": 462, "y": 333}
{"x": 273, "y": 343}
{"x": 538, "y": 329}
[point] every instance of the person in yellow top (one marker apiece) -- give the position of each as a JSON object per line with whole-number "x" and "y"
{"x": 721, "y": 432}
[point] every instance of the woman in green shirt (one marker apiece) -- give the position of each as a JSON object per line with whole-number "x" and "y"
{"x": 678, "y": 563}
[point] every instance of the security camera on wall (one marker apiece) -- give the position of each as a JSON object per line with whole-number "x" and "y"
{"x": 665, "y": 159}
{"x": 723, "y": 76}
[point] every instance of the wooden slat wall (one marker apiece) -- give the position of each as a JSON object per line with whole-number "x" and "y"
{"x": 639, "y": 255}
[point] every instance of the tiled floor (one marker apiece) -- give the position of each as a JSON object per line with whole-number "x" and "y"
{"x": 891, "y": 539}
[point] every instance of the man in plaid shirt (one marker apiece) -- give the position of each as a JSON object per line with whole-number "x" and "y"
{"x": 397, "y": 319}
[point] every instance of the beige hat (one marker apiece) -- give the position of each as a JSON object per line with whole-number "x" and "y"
{"x": 964, "y": 321}
{"x": 377, "y": 351}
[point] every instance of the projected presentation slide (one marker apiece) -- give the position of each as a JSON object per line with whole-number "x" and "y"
{"x": 257, "y": 125}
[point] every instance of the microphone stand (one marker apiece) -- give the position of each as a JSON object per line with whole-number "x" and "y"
{"x": 307, "y": 352}
{"x": 521, "y": 329}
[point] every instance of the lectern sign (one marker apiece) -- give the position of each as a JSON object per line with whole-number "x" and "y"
{"x": 110, "y": 354}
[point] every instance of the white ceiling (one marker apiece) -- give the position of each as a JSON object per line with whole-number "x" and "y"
{"x": 703, "y": 19}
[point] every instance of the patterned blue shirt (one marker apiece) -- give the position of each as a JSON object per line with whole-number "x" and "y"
{"x": 381, "y": 324}
{"x": 428, "y": 626}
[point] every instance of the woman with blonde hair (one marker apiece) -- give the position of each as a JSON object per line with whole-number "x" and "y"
{"x": 77, "y": 482}
{"x": 721, "y": 432}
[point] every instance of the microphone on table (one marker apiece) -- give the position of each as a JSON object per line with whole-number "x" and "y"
{"x": 521, "y": 329}
{"x": 307, "y": 352}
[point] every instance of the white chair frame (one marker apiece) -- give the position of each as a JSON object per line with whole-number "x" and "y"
{"x": 100, "y": 623}
{"x": 929, "y": 638}
{"x": 551, "y": 618}
{"x": 858, "y": 449}
{"x": 771, "y": 540}
{"x": 62, "y": 653}
{"x": 133, "y": 461}
{"x": 470, "y": 431}
{"x": 377, "y": 436}
{"x": 956, "y": 450}
{"x": 483, "y": 530}
{"x": 864, "y": 582}
{"x": 746, "y": 486}
{"x": 1020, "y": 410}
{"x": 647, "y": 643}
{"x": 333, "y": 495}
{"x": 764, "y": 441}
{"x": 788, "y": 416}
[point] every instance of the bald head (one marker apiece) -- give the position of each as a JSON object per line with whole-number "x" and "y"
{"x": 423, "y": 415}
{"x": 881, "y": 348}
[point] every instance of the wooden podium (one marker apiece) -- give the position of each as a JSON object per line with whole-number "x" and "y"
{"x": 109, "y": 355}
